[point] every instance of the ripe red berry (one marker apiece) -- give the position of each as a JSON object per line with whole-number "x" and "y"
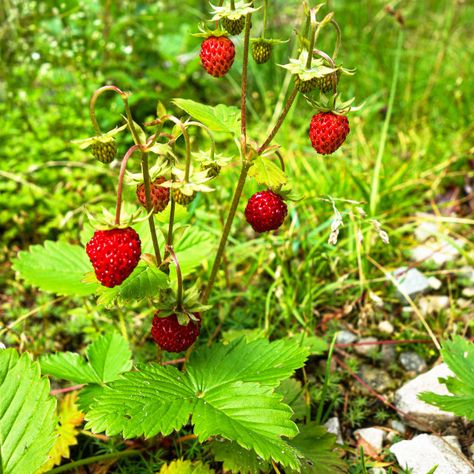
{"x": 217, "y": 55}
{"x": 171, "y": 336}
{"x": 160, "y": 196}
{"x": 114, "y": 254}
{"x": 328, "y": 132}
{"x": 265, "y": 211}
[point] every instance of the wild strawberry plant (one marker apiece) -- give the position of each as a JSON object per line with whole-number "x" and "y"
{"x": 236, "y": 396}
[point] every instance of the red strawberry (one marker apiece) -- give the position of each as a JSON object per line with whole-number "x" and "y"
{"x": 114, "y": 254}
{"x": 328, "y": 132}
{"x": 217, "y": 55}
{"x": 265, "y": 211}
{"x": 171, "y": 336}
{"x": 160, "y": 196}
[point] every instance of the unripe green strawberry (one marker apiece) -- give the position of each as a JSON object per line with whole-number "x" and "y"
{"x": 182, "y": 198}
{"x": 261, "y": 51}
{"x": 234, "y": 27}
{"x": 104, "y": 149}
{"x": 325, "y": 84}
{"x": 213, "y": 169}
{"x": 306, "y": 86}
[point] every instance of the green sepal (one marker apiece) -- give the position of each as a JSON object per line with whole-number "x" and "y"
{"x": 107, "y": 220}
{"x": 330, "y": 104}
{"x": 205, "y": 32}
{"x": 241, "y": 9}
{"x": 160, "y": 168}
{"x": 105, "y": 138}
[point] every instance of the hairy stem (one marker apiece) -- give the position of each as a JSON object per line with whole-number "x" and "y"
{"x": 243, "y": 103}
{"x": 314, "y": 29}
{"x": 93, "y": 101}
{"x": 225, "y": 233}
{"x": 123, "y": 167}
{"x": 209, "y": 133}
{"x": 279, "y": 122}
{"x": 265, "y": 13}
{"x": 149, "y": 206}
{"x": 93, "y": 459}
{"x": 179, "y": 277}
{"x": 169, "y": 237}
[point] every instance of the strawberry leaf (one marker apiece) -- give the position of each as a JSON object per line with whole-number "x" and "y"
{"x": 27, "y": 414}
{"x": 185, "y": 467}
{"x": 265, "y": 171}
{"x": 221, "y": 118}
{"x": 227, "y": 390}
{"x": 57, "y": 267}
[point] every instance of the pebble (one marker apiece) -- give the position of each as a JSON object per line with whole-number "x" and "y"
{"x": 438, "y": 253}
{"x": 333, "y": 426}
{"x": 435, "y": 283}
{"x": 433, "y": 304}
{"x": 422, "y": 453}
{"x": 425, "y": 230}
{"x": 466, "y": 276}
{"x": 421, "y": 414}
{"x": 386, "y": 327}
{"x": 377, "y": 379}
{"x": 410, "y": 281}
{"x": 398, "y": 425}
{"x": 412, "y": 362}
{"x": 345, "y": 337}
{"x": 367, "y": 349}
{"x": 388, "y": 354}
{"x": 374, "y": 437}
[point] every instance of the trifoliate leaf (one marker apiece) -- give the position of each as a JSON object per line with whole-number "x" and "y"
{"x": 57, "y": 267}
{"x": 27, "y": 415}
{"x": 186, "y": 467}
{"x": 459, "y": 355}
{"x": 238, "y": 460}
{"x": 227, "y": 391}
{"x": 265, "y": 171}
{"x": 106, "y": 359}
{"x": 70, "y": 417}
{"x": 221, "y": 118}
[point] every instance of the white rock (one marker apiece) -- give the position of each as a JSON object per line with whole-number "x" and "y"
{"x": 437, "y": 252}
{"x": 453, "y": 442}
{"x": 410, "y": 281}
{"x": 2, "y": 345}
{"x": 377, "y": 470}
{"x": 386, "y": 327}
{"x": 333, "y": 426}
{"x": 374, "y": 437}
{"x": 468, "y": 292}
{"x": 434, "y": 283}
{"x": 423, "y": 452}
{"x": 366, "y": 346}
{"x": 425, "y": 230}
{"x": 433, "y": 304}
{"x": 467, "y": 274}
{"x": 422, "y": 414}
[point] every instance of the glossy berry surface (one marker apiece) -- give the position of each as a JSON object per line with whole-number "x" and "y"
{"x": 171, "y": 336}
{"x": 328, "y": 131}
{"x": 261, "y": 51}
{"x": 160, "y": 196}
{"x": 104, "y": 151}
{"x": 265, "y": 211}
{"x": 217, "y": 55}
{"x": 114, "y": 254}
{"x": 234, "y": 27}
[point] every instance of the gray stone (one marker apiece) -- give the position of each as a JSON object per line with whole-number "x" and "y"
{"x": 433, "y": 304}
{"x": 424, "y": 452}
{"x": 388, "y": 355}
{"x": 345, "y": 337}
{"x": 374, "y": 437}
{"x": 435, "y": 283}
{"x": 412, "y": 362}
{"x": 466, "y": 276}
{"x": 377, "y": 379}
{"x": 397, "y": 425}
{"x": 366, "y": 347}
{"x": 386, "y": 327}
{"x": 421, "y": 414}
{"x": 333, "y": 426}
{"x": 410, "y": 281}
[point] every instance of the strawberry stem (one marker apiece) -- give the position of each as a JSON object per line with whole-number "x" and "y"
{"x": 265, "y": 10}
{"x": 243, "y": 103}
{"x": 169, "y": 237}
{"x": 123, "y": 167}
{"x": 338, "y": 38}
{"x": 314, "y": 30}
{"x": 332, "y": 64}
{"x": 149, "y": 206}
{"x": 209, "y": 133}
{"x": 93, "y": 101}
{"x": 179, "y": 278}
{"x": 187, "y": 141}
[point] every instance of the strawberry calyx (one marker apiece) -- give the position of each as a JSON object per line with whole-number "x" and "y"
{"x": 330, "y": 104}
{"x": 205, "y": 32}
{"x": 232, "y": 12}
{"x": 106, "y": 221}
